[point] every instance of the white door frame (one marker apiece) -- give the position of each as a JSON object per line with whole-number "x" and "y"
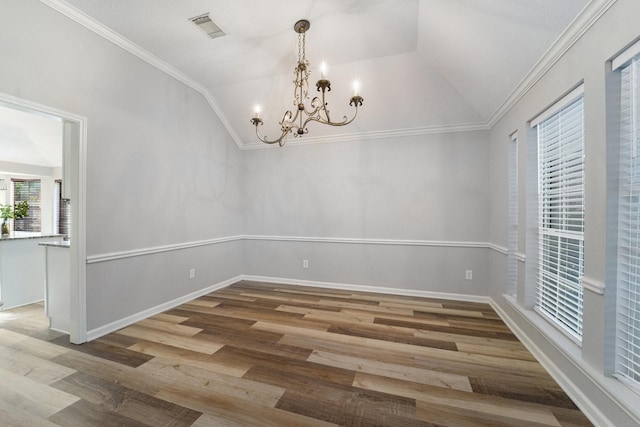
{"x": 75, "y": 162}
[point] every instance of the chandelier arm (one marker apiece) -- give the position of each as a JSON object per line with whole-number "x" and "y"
{"x": 345, "y": 120}
{"x": 275, "y": 141}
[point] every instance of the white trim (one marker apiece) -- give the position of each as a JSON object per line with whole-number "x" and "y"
{"x": 604, "y": 384}
{"x": 571, "y": 96}
{"x": 500, "y": 249}
{"x": 93, "y": 259}
{"x": 365, "y": 288}
{"x": 439, "y": 243}
{"x": 580, "y": 25}
{"x": 625, "y": 56}
{"x": 521, "y": 257}
{"x": 107, "y": 33}
{"x": 78, "y": 252}
{"x": 593, "y": 285}
{"x": 129, "y": 320}
{"x": 372, "y": 135}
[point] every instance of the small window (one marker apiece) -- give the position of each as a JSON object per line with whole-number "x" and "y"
{"x": 29, "y": 190}
{"x": 62, "y": 213}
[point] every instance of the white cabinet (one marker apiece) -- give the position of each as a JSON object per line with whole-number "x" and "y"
{"x": 57, "y": 290}
{"x": 22, "y": 269}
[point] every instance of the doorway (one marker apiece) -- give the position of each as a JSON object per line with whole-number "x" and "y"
{"x": 73, "y": 177}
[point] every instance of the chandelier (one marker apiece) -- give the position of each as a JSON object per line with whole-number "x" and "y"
{"x": 317, "y": 110}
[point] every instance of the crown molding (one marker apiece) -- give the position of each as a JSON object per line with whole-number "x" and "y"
{"x": 569, "y": 37}
{"x": 105, "y": 32}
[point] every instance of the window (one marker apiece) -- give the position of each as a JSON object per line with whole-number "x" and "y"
{"x": 561, "y": 213}
{"x": 62, "y": 212}
{"x": 627, "y": 364}
{"x": 29, "y": 190}
{"x": 512, "y": 233}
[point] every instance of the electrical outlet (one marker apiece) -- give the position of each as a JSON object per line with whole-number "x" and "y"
{"x": 468, "y": 275}
{"x": 192, "y": 273}
{"x": 305, "y": 263}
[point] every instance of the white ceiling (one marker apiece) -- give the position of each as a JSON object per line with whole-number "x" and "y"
{"x": 31, "y": 139}
{"x": 421, "y": 63}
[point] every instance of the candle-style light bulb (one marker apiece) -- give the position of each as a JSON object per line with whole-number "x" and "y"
{"x": 323, "y": 70}
{"x": 257, "y": 110}
{"x": 356, "y": 87}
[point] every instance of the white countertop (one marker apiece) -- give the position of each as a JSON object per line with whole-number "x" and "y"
{"x": 16, "y": 235}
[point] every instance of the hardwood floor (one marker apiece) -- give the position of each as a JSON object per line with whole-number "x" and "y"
{"x": 261, "y": 354}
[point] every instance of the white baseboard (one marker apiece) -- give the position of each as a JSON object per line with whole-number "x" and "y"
{"x": 375, "y": 289}
{"x": 4, "y": 307}
{"x": 129, "y": 320}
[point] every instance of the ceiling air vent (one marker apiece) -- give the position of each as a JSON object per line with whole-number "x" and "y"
{"x": 207, "y": 25}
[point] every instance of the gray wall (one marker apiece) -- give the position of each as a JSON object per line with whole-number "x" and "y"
{"x": 430, "y": 189}
{"x": 161, "y": 169}
{"x": 586, "y": 60}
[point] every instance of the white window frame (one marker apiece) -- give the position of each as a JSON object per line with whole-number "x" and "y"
{"x": 627, "y": 325}
{"x": 560, "y": 214}
{"x": 512, "y": 232}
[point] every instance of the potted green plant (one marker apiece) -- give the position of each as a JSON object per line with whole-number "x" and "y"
{"x": 7, "y": 212}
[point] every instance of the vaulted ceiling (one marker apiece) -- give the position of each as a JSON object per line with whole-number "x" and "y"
{"x": 422, "y": 64}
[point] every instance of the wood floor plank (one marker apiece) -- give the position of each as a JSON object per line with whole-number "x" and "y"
{"x": 310, "y": 370}
{"x": 188, "y": 343}
{"x": 127, "y": 402}
{"x": 333, "y": 402}
{"x": 32, "y": 396}
{"x": 173, "y": 328}
{"x": 508, "y": 353}
{"x": 30, "y": 345}
{"x": 13, "y": 416}
{"x": 446, "y": 415}
{"x": 468, "y": 339}
{"x": 85, "y": 413}
{"x": 278, "y": 317}
{"x": 434, "y": 310}
{"x": 327, "y": 316}
{"x": 472, "y": 401}
{"x": 164, "y": 317}
{"x": 410, "y": 321}
{"x": 105, "y": 350}
{"x": 212, "y": 382}
{"x": 202, "y": 302}
{"x": 422, "y": 376}
{"x": 237, "y": 411}
{"x": 35, "y": 368}
{"x": 434, "y": 326}
{"x": 107, "y": 370}
{"x": 365, "y": 331}
{"x": 234, "y": 368}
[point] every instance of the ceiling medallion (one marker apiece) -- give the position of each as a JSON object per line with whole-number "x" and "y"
{"x": 317, "y": 110}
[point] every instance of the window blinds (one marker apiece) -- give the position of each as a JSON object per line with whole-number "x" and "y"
{"x": 62, "y": 212}
{"x": 29, "y": 190}
{"x": 512, "y": 237}
{"x": 561, "y": 217}
{"x": 628, "y": 271}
